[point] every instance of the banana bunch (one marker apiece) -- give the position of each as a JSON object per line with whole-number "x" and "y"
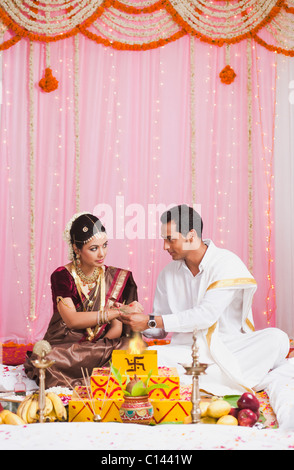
{"x": 54, "y": 410}
{"x": 7, "y": 417}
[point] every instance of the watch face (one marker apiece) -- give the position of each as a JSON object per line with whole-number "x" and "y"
{"x": 152, "y": 323}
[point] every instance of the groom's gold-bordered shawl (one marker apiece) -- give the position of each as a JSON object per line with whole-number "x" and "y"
{"x": 225, "y": 270}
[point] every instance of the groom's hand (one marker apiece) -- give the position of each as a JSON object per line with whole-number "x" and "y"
{"x": 133, "y": 307}
{"x": 136, "y": 321}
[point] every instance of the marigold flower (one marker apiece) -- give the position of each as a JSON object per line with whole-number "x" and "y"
{"x": 227, "y": 75}
{"x": 49, "y": 82}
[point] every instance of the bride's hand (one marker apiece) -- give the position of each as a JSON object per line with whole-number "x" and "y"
{"x": 133, "y": 307}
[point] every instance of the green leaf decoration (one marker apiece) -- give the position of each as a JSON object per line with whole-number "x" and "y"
{"x": 152, "y": 387}
{"x": 139, "y": 389}
{"x": 261, "y": 417}
{"x": 232, "y": 399}
{"x": 116, "y": 374}
{"x": 148, "y": 378}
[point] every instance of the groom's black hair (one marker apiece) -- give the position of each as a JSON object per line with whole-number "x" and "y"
{"x": 185, "y": 218}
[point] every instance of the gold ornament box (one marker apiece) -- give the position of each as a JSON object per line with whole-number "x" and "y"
{"x": 171, "y": 411}
{"x": 104, "y": 396}
{"x": 139, "y": 364}
{"x": 80, "y": 408}
{"x": 104, "y": 385}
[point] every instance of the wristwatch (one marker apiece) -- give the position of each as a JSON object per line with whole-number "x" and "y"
{"x": 152, "y": 323}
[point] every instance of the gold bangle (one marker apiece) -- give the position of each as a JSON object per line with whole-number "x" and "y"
{"x": 106, "y": 316}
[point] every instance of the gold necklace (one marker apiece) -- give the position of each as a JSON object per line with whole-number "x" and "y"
{"x": 101, "y": 281}
{"x": 88, "y": 279}
{"x": 77, "y": 279}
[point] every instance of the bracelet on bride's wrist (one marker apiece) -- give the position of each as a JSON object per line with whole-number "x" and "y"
{"x": 102, "y": 317}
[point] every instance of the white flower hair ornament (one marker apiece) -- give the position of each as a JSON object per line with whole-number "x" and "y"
{"x": 66, "y": 234}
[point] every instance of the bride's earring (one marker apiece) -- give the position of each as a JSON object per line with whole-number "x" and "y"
{"x": 78, "y": 261}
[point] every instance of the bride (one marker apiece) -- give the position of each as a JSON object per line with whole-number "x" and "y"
{"x": 85, "y": 326}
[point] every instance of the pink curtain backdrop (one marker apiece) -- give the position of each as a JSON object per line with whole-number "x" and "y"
{"x": 135, "y": 159}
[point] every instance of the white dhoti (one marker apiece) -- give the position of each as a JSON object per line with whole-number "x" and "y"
{"x": 279, "y": 386}
{"x": 213, "y": 382}
{"x": 256, "y": 354}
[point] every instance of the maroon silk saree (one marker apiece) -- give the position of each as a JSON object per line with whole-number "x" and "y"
{"x": 71, "y": 350}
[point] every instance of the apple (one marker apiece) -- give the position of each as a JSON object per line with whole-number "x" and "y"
{"x": 248, "y": 400}
{"x": 234, "y": 412}
{"x": 247, "y": 417}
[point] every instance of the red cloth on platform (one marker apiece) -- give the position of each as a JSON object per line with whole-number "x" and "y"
{"x": 14, "y": 354}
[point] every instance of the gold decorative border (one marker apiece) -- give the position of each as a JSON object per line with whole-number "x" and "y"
{"x": 210, "y": 332}
{"x": 232, "y": 282}
{"x": 250, "y": 324}
{"x": 119, "y": 282}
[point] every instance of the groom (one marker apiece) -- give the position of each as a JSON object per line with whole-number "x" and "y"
{"x": 210, "y": 290}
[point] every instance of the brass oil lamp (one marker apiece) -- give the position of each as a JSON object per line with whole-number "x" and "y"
{"x": 195, "y": 369}
{"x": 41, "y": 349}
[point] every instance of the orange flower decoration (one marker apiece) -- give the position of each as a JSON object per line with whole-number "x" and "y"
{"x": 48, "y": 83}
{"x": 227, "y": 75}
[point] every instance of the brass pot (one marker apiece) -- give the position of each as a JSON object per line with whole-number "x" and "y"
{"x": 136, "y": 410}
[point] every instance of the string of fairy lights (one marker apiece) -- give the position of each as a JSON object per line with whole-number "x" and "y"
{"x": 267, "y": 158}
{"x": 156, "y": 150}
{"x": 116, "y": 154}
{"x": 66, "y": 105}
{"x": 115, "y": 24}
{"x": 115, "y": 150}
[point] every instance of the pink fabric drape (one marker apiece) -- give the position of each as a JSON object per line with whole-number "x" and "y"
{"x": 135, "y": 158}
{"x": 225, "y": 161}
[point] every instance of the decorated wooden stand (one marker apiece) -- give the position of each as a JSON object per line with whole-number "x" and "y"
{"x": 170, "y": 404}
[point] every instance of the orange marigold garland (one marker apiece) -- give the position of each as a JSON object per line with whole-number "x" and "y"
{"x": 49, "y": 82}
{"x": 23, "y": 32}
{"x": 221, "y": 41}
{"x": 227, "y": 75}
{"x": 272, "y": 48}
{"x": 123, "y": 6}
{"x": 10, "y": 42}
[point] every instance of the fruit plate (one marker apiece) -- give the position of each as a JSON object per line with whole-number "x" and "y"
{"x": 233, "y": 399}
{"x": 11, "y": 399}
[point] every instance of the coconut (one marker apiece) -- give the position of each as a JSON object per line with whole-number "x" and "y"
{"x": 132, "y": 383}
